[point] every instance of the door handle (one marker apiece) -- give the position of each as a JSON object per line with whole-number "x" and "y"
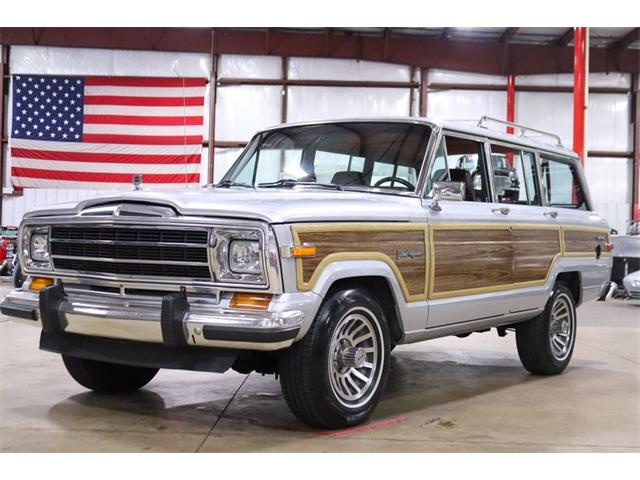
{"x": 502, "y": 210}
{"x": 551, "y": 213}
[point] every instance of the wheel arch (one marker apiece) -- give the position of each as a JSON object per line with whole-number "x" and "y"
{"x": 376, "y": 277}
{"x": 573, "y": 281}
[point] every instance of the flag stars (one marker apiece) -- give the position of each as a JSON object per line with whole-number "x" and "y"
{"x": 48, "y": 107}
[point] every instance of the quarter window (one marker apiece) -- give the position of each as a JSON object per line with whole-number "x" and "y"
{"x": 561, "y": 184}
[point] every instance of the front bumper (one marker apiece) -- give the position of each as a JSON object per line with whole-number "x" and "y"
{"x": 170, "y": 320}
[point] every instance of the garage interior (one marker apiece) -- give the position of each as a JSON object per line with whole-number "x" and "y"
{"x": 444, "y": 395}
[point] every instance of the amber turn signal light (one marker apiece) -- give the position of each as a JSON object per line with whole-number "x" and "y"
{"x": 250, "y": 301}
{"x": 303, "y": 251}
{"x": 38, "y": 283}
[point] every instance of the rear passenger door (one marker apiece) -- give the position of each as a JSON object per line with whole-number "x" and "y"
{"x": 535, "y": 242}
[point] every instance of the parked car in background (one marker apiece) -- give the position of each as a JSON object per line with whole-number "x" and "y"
{"x": 324, "y": 246}
{"x": 632, "y": 285}
{"x": 626, "y": 254}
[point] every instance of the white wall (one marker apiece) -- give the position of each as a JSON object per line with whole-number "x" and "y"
{"x": 243, "y": 109}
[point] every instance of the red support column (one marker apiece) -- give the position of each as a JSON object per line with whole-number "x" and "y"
{"x": 511, "y": 101}
{"x": 635, "y": 181}
{"x": 579, "y": 90}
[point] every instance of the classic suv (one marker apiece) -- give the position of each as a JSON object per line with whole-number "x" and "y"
{"x": 324, "y": 246}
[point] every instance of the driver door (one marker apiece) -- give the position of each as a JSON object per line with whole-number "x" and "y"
{"x": 470, "y": 240}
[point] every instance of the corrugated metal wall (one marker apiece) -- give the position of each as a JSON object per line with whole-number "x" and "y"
{"x": 243, "y": 109}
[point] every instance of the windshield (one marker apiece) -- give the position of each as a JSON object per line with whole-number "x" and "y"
{"x": 349, "y": 154}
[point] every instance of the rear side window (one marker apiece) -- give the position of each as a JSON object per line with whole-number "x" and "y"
{"x": 561, "y": 183}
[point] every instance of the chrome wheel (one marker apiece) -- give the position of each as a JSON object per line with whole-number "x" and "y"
{"x": 562, "y": 327}
{"x": 356, "y": 357}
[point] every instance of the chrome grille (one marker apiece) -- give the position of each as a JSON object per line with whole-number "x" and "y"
{"x": 131, "y": 251}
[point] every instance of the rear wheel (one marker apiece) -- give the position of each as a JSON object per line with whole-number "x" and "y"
{"x": 334, "y": 376}
{"x": 545, "y": 344}
{"x": 107, "y": 377}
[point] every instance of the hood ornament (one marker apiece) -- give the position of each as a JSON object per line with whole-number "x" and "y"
{"x": 137, "y": 181}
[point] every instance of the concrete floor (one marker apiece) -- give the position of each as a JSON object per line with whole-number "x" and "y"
{"x": 444, "y": 395}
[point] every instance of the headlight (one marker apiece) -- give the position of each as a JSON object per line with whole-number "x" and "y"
{"x": 34, "y": 248}
{"x": 39, "y": 247}
{"x": 244, "y": 257}
{"x": 635, "y": 283}
{"x": 239, "y": 256}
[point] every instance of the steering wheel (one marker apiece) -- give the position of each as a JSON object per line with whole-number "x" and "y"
{"x": 404, "y": 182}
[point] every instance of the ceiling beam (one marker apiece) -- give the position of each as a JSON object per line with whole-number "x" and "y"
{"x": 566, "y": 38}
{"x": 508, "y": 34}
{"x": 464, "y": 55}
{"x": 627, "y": 40}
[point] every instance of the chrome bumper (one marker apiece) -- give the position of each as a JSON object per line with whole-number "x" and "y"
{"x": 153, "y": 319}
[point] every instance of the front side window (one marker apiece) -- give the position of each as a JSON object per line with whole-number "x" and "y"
{"x": 561, "y": 183}
{"x": 514, "y": 176}
{"x": 363, "y": 155}
{"x": 460, "y": 160}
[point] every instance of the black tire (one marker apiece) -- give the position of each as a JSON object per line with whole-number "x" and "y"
{"x": 310, "y": 368}
{"x": 538, "y": 351}
{"x": 106, "y": 377}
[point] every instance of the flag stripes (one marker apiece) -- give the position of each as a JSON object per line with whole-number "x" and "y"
{"x": 96, "y": 132}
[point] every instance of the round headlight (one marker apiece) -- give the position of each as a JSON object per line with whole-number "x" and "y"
{"x": 244, "y": 257}
{"x": 39, "y": 247}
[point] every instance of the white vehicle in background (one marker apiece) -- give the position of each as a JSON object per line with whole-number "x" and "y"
{"x": 632, "y": 285}
{"x": 626, "y": 254}
{"x": 324, "y": 246}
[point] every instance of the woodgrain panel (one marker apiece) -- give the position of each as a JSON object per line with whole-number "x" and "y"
{"x": 476, "y": 260}
{"x": 585, "y": 241}
{"x": 465, "y": 259}
{"x": 385, "y": 242}
{"x": 533, "y": 253}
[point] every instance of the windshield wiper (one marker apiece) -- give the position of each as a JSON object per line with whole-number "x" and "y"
{"x": 290, "y": 183}
{"x": 231, "y": 183}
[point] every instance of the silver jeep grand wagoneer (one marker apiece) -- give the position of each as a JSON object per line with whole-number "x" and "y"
{"x": 324, "y": 246}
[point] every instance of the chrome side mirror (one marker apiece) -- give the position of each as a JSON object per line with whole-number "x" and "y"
{"x": 447, "y": 191}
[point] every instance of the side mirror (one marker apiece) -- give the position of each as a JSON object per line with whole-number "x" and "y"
{"x": 447, "y": 191}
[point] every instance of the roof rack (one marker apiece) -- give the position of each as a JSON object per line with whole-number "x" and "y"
{"x": 522, "y": 128}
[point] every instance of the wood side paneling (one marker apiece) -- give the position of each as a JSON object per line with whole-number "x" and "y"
{"x": 584, "y": 241}
{"x": 388, "y": 243}
{"x": 533, "y": 253}
{"x": 488, "y": 258}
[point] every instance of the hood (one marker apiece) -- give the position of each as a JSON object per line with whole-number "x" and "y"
{"x": 271, "y": 205}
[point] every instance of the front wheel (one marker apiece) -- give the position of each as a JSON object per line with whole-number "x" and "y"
{"x": 334, "y": 376}
{"x": 107, "y": 377}
{"x": 545, "y": 344}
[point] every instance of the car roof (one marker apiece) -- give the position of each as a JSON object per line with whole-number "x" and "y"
{"x": 451, "y": 125}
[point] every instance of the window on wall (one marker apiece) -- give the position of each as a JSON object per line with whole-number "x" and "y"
{"x": 460, "y": 160}
{"x": 561, "y": 183}
{"x": 514, "y": 176}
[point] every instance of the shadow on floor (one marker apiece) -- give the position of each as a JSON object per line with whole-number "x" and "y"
{"x": 415, "y": 382}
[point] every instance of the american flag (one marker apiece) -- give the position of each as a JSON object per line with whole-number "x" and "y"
{"x": 98, "y": 132}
